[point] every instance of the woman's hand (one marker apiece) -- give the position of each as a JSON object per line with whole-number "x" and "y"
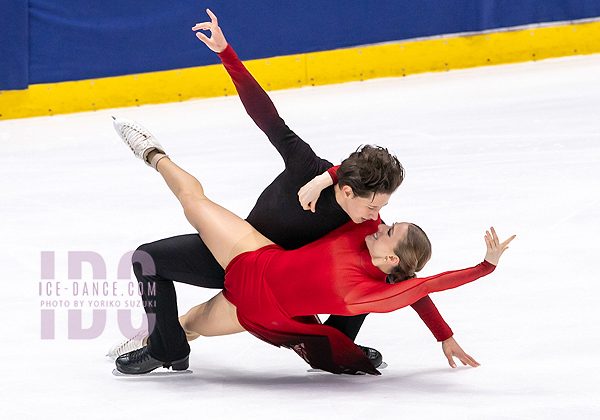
{"x": 451, "y": 350}
{"x": 494, "y": 247}
{"x": 217, "y": 41}
{"x": 311, "y": 191}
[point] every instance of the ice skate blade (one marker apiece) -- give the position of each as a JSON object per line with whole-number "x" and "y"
{"x": 383, "y": 365}
{"x": 161, "y": 372}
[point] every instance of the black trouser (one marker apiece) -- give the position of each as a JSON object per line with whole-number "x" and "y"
{"x": 185, "y": 259}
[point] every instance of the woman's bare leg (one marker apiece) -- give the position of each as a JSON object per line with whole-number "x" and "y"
{"x": 218, "y": 316}
{"x": 224, "y": 233}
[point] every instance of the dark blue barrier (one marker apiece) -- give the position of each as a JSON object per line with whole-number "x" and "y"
{"x": 14, "y": 44}
{"x": 74, "y": 40}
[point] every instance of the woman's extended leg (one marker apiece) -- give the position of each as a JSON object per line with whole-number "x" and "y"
{"x": 224, "y": 233}
{"x": 215, "y": 317}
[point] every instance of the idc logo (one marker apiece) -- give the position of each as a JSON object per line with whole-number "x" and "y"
{"x": 98, "y": 295}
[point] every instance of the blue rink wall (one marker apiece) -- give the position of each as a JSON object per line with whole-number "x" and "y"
{"x": 46, "y": 42}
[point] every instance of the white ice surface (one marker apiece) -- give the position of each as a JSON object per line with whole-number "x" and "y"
{"x": 514, "y": 146}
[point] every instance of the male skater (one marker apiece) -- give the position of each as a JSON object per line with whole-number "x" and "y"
{"x": 277, "y": 215}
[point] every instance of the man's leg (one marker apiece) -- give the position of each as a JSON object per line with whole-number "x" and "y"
{"x": 156, "y": 265}
{"x": 215, "y": 317}
{"x": 349, "y": 325}
{"x": 183, "y": 259}
{"x": 167, "y": 340}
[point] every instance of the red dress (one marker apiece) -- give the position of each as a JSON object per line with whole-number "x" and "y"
{"x": 278, "y": 294}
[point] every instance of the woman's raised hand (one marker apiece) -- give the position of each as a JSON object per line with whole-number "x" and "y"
{"x": 217, "y": 41}
{"x": 494, "y": 247}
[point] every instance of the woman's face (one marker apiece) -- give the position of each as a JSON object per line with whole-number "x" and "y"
{"x": 381, "y": 244}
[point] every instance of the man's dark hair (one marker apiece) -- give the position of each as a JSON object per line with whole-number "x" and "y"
{"x": 371, "y": 170}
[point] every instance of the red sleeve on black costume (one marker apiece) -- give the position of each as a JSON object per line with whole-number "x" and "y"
{"x": 432, "y": 318}
{"x": 333, "y": 173}
{"x": 256, "y": 101}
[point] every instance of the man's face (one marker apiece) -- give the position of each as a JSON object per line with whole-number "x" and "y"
{"x": 361, "y": 209}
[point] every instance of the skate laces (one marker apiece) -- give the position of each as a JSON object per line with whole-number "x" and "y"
{"x": 134, "y": 134}
{"x": 139, "y": 355}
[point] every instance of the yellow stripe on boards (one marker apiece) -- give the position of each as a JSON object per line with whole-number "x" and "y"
{"x": 320, "y": 68}
{"x": 411, "y": 57}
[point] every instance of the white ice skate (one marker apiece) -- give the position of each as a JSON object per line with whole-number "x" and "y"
{"x": 127, "y": 344}
{"x": 139, "y": 140}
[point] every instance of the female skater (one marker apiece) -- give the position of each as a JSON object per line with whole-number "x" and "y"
{"x": 275, "y": 294}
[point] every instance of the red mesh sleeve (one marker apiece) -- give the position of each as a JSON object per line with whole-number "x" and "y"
{"x": 333, "y": 173}
{"x": 432, "y": 318}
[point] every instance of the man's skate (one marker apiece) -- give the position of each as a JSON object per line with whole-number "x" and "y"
{"x": 139, "y": 362}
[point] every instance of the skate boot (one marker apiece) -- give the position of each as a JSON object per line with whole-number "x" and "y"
{"x": 374, "y": 356}
{"x": 139, "y": 362}
{"x": 127, "y": 344}
{"x": 139, "y": 140}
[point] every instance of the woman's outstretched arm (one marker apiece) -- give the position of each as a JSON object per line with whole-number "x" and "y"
{"x": 389, "y": 297}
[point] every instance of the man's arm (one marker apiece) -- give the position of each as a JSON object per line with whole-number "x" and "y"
{"x": 311, "y": 191}
{"x": 296, "y": 154}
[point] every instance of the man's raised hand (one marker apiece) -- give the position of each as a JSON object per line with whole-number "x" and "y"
{"x": 217, "y": 41}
